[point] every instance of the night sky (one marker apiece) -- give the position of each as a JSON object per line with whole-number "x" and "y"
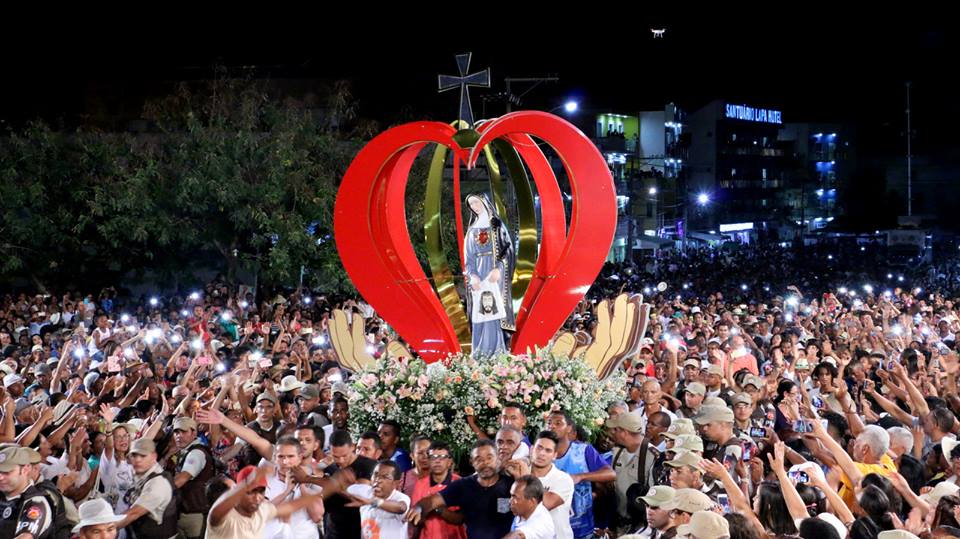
{"x": 817, "y": 70}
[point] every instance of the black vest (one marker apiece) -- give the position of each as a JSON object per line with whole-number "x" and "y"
{"x": 61, "y": 528}
{"x": 144, "y": 527}
{"x": 193, "y": 498}
{"x": 10, "y": 513}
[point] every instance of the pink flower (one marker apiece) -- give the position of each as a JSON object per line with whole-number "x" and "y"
{"x": 404, "y": 392}
{"x": 423, "y": 380}
{"x": 369, "y": 380}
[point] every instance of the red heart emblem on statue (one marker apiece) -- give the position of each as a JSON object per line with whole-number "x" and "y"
{"x": 374, "y": 243}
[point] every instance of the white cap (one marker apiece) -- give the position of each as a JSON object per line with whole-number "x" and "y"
{"x": 11, "y": 379}
{"x": 694, "y": 310}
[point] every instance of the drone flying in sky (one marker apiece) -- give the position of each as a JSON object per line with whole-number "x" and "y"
{"x": 658, "y": 33}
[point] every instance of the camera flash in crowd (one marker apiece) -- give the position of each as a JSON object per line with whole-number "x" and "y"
{"x": 868, "y": 289}
{"x": 78, "y": 353}
{"x": 257, "y": 356}
{"x": 175, "y": 338}
{"x": 788, "y": 317}
{"x": 196, "y": 344}
{"x": 244, "y": 304}
{"x": 154, "y": 302}
{"x": 743, "y": 287}
{"x": 221, "y": 367}
{"x": 319, "y": 340}
{"x": 184, "y": 313}
{"x": 889, "y": 276}
{"x": 195, "y": 296}
{"x": 842, "y": 290}
{"x": 307, "y": 300}
{"x": 897, "y": 330}
{"x": 125, "y": 318}
{"x": 129, "y": 353}
{"x": 226, "y": 316}
{"x": 792, "y": 301}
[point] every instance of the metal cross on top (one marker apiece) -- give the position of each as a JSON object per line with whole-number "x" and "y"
{"x": 464, "y": 81}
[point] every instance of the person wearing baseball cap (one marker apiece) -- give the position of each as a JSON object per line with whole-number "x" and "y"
{"x": 632, "y": 461}
{"x": 27, "y": 511}
{"x": 712, "y": 378}
{"x": 693, "y": 395}
{"x": 686, "y": 471}
{"x": 659, "y": 519}
{"x": 716, "y": 424}
{"x": 705, "y": 525}
{"x": 152, "y": 515}
{"x": 310, "y": 410}
{"x": 742, "y": 413}
{"x": 686, "y": 502}
{"x": 195, "y": 466}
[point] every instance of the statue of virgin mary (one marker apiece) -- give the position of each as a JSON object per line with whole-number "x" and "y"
{"x": 488, "y": 267}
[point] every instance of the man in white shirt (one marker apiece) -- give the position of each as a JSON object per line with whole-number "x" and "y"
{"x": 382, "y": 504}
{"x": 557, "y": 484}
{"x": 282, "y": 487}
{"x": 532, "y": 520}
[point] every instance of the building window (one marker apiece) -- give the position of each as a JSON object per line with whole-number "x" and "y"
{"x": 733, "y": 137}
{"x": 733, "y": 172}
{"x": 764, "y": 172}
{"x": 649, "y": 209}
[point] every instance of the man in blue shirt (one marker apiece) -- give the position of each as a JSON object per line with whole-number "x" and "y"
{"x": 389, "y": 432}
{"x": 585, "y": 466}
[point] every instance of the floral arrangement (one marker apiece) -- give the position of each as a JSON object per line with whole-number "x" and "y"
{"x": 435, "y": 399}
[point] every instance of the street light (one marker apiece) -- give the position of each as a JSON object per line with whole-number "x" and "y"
{"x": 569, "y": 107}
{"x": 703, "y": 199}
{"x": 653, "y": 190}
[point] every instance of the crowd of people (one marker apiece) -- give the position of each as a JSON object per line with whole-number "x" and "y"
{"x": 777, "y": 393}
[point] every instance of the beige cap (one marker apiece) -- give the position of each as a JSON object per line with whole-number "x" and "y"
{"x": 689, "y": 500}
{"x": 630, "y": 422}
{"x": 705, "y": 525}
{"x": 714, "y": 401}
{"x": 680, "y": 427}
{"x": 268, "y": 397}
{"x": 184, "y": 423}
{"x": 696, "y": 388}
{"x": 11, "y": 457}
{"x": 743, "y": 398}
{"x": 752, "y": 380}
{"x": 691, "y": 363}
{"x": 714, "y": 414}
{"x": 143, "y": 446}
{"x": 659, "y": 495}
{"x": 686, "y": 458}
{"x": 714, "y": 369}
{"x": 688, "y": 442}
